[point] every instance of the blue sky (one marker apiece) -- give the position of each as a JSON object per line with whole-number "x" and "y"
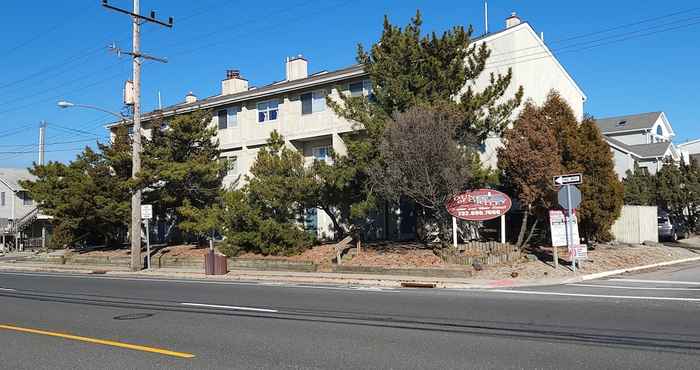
{"x": 58, "y": 51}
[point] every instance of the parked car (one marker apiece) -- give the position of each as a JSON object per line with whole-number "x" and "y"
{"x": 670, "y": 229}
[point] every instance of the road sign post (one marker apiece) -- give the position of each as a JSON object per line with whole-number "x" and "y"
{"x": 147, "y": 215}
{"x": 569, "y": 198}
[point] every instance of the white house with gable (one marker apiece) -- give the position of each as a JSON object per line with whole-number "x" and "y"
{"x": 535, "y": 68}
{"x": 643, "y": 139}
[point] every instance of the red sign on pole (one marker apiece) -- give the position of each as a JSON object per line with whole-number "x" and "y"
{"x": 479, "y": 205}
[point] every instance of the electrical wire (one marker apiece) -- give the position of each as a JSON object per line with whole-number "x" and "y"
{"x": 548, "y": 54}
{"x": 622, "y": 36}
{"x": 577, "y": 37}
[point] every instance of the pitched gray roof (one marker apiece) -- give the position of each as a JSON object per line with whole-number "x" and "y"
{"x": 653, "y": 150}
{"x": 12, "y": 176}
{"x": 355, "y": 71}
{"x": 632, "y": 122}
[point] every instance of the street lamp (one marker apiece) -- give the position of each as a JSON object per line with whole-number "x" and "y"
{"x": 66, "y": 104}
{"x": 136, "y": 263}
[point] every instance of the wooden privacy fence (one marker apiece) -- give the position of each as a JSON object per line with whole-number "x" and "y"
{"x": 636, "y": 225}
{"x": 485, "y": 253}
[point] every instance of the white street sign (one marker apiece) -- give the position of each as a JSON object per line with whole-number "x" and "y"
{"x": 570, "y": 179}
{"x": 579, "y": 252}
{"x": 146, "y": 211}
{"x": 557, "y": 223}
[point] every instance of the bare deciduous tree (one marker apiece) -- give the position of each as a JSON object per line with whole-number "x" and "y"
{"x": 421, "y": 161}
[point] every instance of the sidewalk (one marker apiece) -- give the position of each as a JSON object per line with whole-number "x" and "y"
{"x": 324, "y": 278}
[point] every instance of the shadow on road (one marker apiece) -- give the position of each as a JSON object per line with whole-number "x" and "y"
{"x": 624, "y": 339}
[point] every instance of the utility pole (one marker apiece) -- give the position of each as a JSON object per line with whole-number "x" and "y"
{"x": 42, "y": 142}
{"x": 42, "y": 153}
{"x": 138, "y": 57}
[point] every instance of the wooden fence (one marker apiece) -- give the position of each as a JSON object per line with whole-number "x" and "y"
{"x": 485, "y": 253}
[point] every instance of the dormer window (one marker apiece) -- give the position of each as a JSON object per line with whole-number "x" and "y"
{"x": 659, "y": 131}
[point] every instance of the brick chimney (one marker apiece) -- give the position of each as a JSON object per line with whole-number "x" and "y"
{"x": 233, "y": 83}
{"x": 513, "y": 20}
{"x": 297, "y": 68}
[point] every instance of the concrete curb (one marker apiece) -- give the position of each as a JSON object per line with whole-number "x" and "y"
{"x": 340, "y": 279}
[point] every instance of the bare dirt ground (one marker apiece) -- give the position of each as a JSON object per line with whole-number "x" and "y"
{"x": 415, "y": 255}
{"x": 603, "y": 258}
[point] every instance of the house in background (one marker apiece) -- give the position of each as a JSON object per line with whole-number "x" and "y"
{"x": 21, "y": 224}
{"x": 691, "y": 151}
{"x": 296, "y": 107}
{"x": 643, "y": 139}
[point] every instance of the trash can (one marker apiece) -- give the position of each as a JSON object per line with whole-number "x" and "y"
{"x": 209, "y": 262}
{"x": 220, "y": 264}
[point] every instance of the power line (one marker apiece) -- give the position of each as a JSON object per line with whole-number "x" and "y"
{"x": 60, "y": 127}
{"x": 81, "y": 89}
{"x": 618, "y": 38}
{"x": 252, "y": 21}
{"x": 624, "y": 26}
{"x": 49, "y": 143}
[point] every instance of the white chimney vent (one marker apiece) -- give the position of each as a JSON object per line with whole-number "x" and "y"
{"x": 190, "y": 98}
{"x": 297, "y": 68}
{"x": 233, "y": 83}
{"x": 513, "y": 20}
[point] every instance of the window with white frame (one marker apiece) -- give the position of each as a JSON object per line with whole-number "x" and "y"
{"x": 26, "y": 199}
{"x": 357, "y": 89}
{"x": 268, "y": 110}
{"x": 313, "y": 102}
{"x": 2, "y": 199}
{"x": 322, "y": 153}
{"x": 361, "y": 88}
{"x": 223, "y": 119}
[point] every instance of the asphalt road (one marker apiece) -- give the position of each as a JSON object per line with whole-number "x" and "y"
{"x": 647, "y": 320}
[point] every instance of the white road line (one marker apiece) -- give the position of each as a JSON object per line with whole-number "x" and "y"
{"x": 657, "y": 281}
{"x": 594, "y": 295}
{"x": 7, "y": 290}
{"x": 631, "y": 287}
{"x": 238, "y": 308}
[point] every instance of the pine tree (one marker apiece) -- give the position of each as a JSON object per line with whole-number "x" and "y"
{"x": 639, "y": 187}
{"x": 529, "y": 159}
{"x": 408, "y": 69}
{"x": 264, "y": 216}
{"x": 602, "y": 192}
{"x": 181, "y": 166}
{"x": 89, "y": 198}
{"x": 558, "y": 114}
{"x": 672, "y": 193}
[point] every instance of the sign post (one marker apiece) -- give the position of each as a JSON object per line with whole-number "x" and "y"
{"x": 147, "y": 215}
{"x": 569, "y": 198}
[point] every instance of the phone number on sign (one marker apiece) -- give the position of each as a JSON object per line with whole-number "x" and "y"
{"x": 487, "y": 212}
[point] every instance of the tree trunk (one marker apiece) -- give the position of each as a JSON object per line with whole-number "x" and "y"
{"x": 523, "y": 229}
{"x": 532, "y": 231}
{"x": 340, "y": 232}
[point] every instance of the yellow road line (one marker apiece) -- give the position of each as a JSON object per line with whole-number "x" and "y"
{"x": 99, "y": 341}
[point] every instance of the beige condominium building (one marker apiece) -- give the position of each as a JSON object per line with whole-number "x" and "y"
{"x": 296, "y": 107}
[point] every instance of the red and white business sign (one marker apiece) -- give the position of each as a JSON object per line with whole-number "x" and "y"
{"x": 479, "y": 205}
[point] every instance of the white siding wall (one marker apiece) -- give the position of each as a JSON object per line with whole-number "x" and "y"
{"x": 631, "y": 138}
{"x": 623, "y": 162}
{"x": 521, "y": 49}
